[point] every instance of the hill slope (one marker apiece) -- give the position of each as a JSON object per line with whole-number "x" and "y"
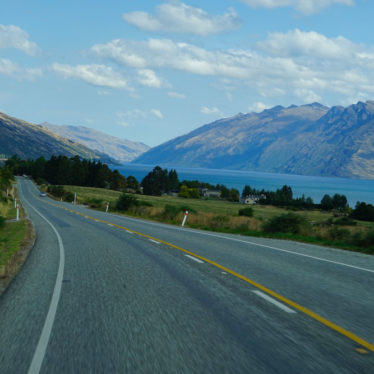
{"x": 119, "y": 149}
{"x": 32, "y": 141}
{"x": 309, "y": 140}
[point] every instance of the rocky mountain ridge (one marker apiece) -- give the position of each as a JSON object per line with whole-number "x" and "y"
{"x": 309, "y": 139}
{"x": 121, "y": 150}
{"x": 32, "y": 141}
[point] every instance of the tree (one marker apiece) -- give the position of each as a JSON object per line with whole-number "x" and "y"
{"x": 156, "y": 182}
{"x": 247, "y": 190}
{"x": 363, "y": 212}
{"x": 326, "y": 202}
{"x": 132, "y": 183}
{"x": 339, "y": 201}
{"x": 173, "y": 180}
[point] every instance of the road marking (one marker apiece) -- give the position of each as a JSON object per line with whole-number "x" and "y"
{"x": 109, "y": 224}
{"x": 154, "y": 241}
{"x": 41, "y": 348}
{"x": 274, "y": 302}
{"x": 195, "y": 259}
{"x": 285, "y": 250}
{"x": 266, "y": 290}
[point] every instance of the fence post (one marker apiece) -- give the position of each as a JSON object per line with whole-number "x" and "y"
{"x": 185, "y": 218}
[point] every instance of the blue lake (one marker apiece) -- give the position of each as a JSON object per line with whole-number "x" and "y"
{"x": 315, "y": 187}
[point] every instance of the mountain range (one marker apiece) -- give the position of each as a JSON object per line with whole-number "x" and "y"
{"x": 121, "y": 150}
{"x": 308, "y": 140}
{"x": 32, "y": 141}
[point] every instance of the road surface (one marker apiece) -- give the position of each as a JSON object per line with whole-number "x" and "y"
{"x": 102, "y": 293}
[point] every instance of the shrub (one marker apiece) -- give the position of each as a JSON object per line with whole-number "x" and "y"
{"x": 125, "y": 202}
{"x": 288, "y": 223}
{"x": 247, "y": 212}
{"x": 171, "y": 211}
{"x": 57, "y": 191}
{"x": 68, "y": 196}
{"x": 2, "y": 222}
{"x": 338, "y": 234}
{"x": 95, "y": 202}
{"x": 345, "y": 221}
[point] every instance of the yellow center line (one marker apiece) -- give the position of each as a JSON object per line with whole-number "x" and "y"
{"x": 289, "y": 302}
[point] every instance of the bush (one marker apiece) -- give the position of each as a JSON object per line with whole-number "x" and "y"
{"x": 247, "y": 212}
{"x": 338, "y": 234}
{"x": 2, "y": 222}
{"x": 68, "y": 196}
{"x": 345, "y": 221}
{"x": 95, "y": 202}
{"x": 57, "y": 191}
{"x": 125, "y": 202}
{"x": 288, "y": 223}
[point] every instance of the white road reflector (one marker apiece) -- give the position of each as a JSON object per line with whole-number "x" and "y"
{"x": 274, "y": 302}
{"x": 195, "y": 259}
{"x": 154, "y": 241}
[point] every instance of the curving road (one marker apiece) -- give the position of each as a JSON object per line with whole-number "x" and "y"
{"x": 102, "y": 293}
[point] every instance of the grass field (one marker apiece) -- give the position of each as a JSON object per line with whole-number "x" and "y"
{"x": 12, "y": 235}
{"x": 318, "y": 227}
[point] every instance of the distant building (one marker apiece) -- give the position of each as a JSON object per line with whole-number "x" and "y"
{"x": 205, "y": 192}
{"x": 252, "y": 199}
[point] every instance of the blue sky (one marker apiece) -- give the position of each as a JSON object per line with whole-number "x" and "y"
{"x": 152, "y": 70}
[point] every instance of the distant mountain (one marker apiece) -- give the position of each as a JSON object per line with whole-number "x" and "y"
{"x": 120, "y": 149}
{"x": 32, "y": 141}
{"x": 308, "y": 140}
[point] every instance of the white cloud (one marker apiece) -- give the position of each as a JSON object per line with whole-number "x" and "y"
{"x": 14, "y": 37}
{"x": 10, "y": 68}
{"x": 128, "y": 117}
{"x": 296, "y": 63}
{"x": 210, "y": 111}
{"x": 149, "y": 78}
{"x": 157, "y": 113}
{"x": 176, "y": 95}
{"x": 299, "y": 43}
{"x": 258, "y": 107}
{"x": 303, "y": 6}
{"x": 97, "y": 75}
{"x": 178, "y": 17}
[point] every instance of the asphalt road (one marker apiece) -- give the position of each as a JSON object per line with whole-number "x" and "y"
{"x": 119, "y": 295}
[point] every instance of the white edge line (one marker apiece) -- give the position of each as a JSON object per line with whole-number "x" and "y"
{"x": 195, "y": 259}
{"x": 154, "y": 241}
{"x": 286, "y": 251}
{"x": 274, "y": 302}
{"x": 41, "y": 348}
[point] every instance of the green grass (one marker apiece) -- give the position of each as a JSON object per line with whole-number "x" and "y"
{"x": 11, "y": 238}
{"x": 216, "y": 215}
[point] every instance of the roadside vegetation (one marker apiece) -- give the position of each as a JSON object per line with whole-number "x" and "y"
{"x": 12, "y": 233}
{"x": 162, "y": 197}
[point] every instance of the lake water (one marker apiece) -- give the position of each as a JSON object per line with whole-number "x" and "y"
{"x": 315, "y": 187}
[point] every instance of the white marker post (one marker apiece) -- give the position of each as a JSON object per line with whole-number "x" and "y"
{"x": 185, "y": 218}
{"x": 15, "y": 202}
{"x": 75, "y": 198}
{"x": 107, "y": 207}
{"x": 17, "y": 219}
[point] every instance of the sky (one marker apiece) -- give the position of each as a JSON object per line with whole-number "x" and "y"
{"x": 150, "y": 71}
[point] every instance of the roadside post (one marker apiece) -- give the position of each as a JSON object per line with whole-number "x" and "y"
{"x": 107, "y": 207}
{"x": 75, "y": 198}
{"x": 185, "y": 218}
{"x": 15, "y": 202}
{"x": 17, "y": 218}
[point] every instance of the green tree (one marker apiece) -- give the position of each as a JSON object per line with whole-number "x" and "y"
{"x": 326, "y": 202}
{"x": 156, "y": 182}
